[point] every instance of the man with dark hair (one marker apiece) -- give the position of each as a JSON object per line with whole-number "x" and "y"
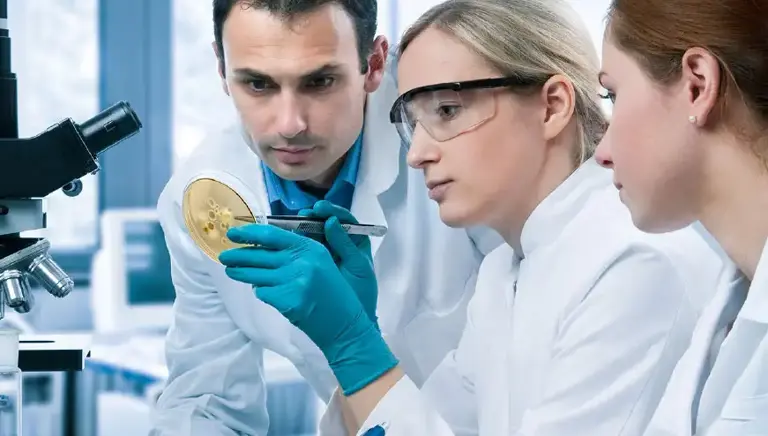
{"x": 310, "y": 82}
{"x": 298, "y": 72}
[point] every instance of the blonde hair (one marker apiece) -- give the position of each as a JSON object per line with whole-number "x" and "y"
{"x": 532, "y": 37}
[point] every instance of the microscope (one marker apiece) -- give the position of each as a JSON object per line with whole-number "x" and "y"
{"x": 33, "y": 168}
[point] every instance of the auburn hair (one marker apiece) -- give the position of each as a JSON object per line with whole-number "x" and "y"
{"x": 657, "y": 33}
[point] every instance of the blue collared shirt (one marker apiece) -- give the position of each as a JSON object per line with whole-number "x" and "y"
{"x": 287, "y": 198}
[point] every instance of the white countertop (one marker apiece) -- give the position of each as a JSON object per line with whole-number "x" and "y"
{"x": 44, "y": 342}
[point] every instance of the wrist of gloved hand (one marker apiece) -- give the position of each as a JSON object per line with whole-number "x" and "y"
{"x": 352, "y": 253}
{"x": 359, "y": 356}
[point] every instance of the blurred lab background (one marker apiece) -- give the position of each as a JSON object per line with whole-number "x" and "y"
{"x": 73, "y": 58}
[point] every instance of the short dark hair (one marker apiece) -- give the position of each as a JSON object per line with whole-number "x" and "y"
{"x": 362, "y": 12}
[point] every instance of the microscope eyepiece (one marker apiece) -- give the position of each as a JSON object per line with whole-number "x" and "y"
{"x": 109, "y": 127}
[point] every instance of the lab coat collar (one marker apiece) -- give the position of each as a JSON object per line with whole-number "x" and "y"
{"x": 756, "y": 306}
{"x": 380, "y": 160}
{"x": 551, "y": 215}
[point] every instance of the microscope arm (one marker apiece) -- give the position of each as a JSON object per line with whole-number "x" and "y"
{"x": 36, "y": 167}
{"x": 57, "y": 158}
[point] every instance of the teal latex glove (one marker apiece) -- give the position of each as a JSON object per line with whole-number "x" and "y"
{"x": 297, "y": 276}
{"x": 351, "y": 252}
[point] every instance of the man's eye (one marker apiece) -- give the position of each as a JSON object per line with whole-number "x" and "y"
{"x": 321, "y": 82}
{"x": 258, "y": 85}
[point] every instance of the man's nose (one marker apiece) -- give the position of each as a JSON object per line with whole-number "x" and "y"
{"x": 291, "y": 120}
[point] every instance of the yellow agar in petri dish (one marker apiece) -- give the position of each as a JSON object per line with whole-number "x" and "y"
{"x": 209, "y": 208}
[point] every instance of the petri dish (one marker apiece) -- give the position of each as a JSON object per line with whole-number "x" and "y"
{"x": 210, "y": 207}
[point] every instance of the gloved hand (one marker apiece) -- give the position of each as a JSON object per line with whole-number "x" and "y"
{"x": 297, "y": 276}
{"x": 352, "y": 253}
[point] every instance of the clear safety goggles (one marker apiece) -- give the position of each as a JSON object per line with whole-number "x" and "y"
{"x": 446, "y": 110}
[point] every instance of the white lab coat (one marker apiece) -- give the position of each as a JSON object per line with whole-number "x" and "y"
{"x": 733, "y": 396}
{"x": 577, "y": 339}
{"x": 214, "y": 350}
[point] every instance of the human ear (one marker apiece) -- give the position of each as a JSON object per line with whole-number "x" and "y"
{"x": 559, "y": 99}
{"x": 701, "y": 80}
{"x": 377, "y": 64}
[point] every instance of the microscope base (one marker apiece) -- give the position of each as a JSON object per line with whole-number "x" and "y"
{"x": 53, "y": 353}
{"x": 65, "y": 353}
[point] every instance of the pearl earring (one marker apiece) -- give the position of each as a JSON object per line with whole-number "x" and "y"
{"x": 692, "y": 119}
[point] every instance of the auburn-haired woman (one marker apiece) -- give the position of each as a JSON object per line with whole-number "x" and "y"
{"x": 688, "y": 142}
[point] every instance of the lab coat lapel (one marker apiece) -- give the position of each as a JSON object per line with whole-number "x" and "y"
{"x": 380, "y": 158}
{"x": 367, "y": 209}
{"x": 734, "y": 354}
{"x": 494, "y": 357}
{"x": 739, "y": 348}
{"x": 677, "y": 406}
{"x": 508, "y": 370}
{"x": 756, "y": 306}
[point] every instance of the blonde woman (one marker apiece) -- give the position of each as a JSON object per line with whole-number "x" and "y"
{"x": 578, "y": 321}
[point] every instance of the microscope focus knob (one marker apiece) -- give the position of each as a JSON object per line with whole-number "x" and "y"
{"x": 73, "y": 188}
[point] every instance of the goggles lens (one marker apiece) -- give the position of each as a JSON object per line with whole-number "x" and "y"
{"x": 444, "y": 114}
{"x": 447, "y": 110}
